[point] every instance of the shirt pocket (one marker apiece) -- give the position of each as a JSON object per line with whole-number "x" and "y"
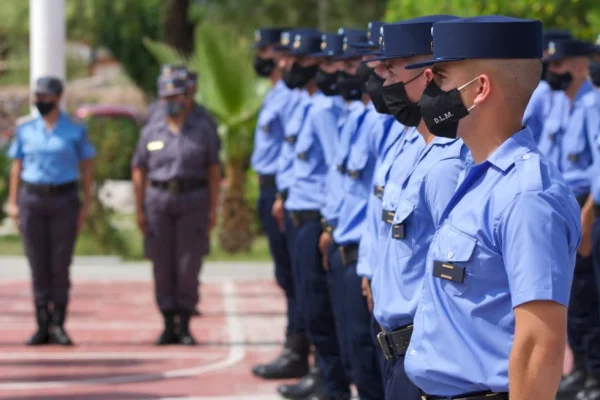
{"x": 358, "y": 183}
{"x": 266, "y": 124}
{"x": 454, "y": 250}
{"x": 304, "y": 150}
{"x": 400, "y": 225}
{"x": 575, "y": 141}
{"x": 550, "y": 135}
{"x": 194, "y": 151}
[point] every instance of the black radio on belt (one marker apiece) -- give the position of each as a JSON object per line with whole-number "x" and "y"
{"x": 449, "y": 272}
{"x": 398, "y": 231}
{"x": 388, "y": 216}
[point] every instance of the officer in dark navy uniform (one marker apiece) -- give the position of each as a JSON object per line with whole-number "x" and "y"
{"x": 176, "y": 180}
{"x": 50, "y": 153}
{"x": 155, "y": 109}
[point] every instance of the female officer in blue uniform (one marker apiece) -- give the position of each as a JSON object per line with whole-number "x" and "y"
{"x": 176, "y": 180}
{"x": 49, "y": 154}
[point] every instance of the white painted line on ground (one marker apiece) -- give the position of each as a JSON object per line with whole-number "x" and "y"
{"x": 125, "y": 355}
{"x": 236, "y": 354}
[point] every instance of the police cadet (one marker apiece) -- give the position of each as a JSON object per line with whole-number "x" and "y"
{"x": 595, "y": 65}
{"x": 268, "y": 139}
{"x": 569, "y": 131}
{"x": 540, "y": 104}
{"x": 492, "y": 311}
{"x": 156, "y": 108}
{"x": 314, "y": 154}
{"x": 423, "y": 193}
{"x": 176, "y": 181}
{"x": 355, "y": 160}
{"x": 50, "y": 153}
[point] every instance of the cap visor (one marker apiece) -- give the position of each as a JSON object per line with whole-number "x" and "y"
{"x": 323, "y": 54}
{"x": 431, "y": 62}
{"x": 364, "y": 45}
{"x": 172, "y": 92}
{"x": 44, "y": 92}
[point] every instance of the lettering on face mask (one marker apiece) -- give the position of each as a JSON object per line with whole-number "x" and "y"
{"x": 444, "y": 117}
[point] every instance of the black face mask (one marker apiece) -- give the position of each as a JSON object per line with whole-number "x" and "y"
{"x": 351, "y": 87}
{"x": 595, "y": 73}
{"x": 373, "y": 89}
{"x": 298, "y": 76}
{"x": 559, "y": 81}
{"x": 263, "y": 66}
{"x": 405, "y": 111}
{"x": 544, "y": 71}
{"x": 44, "y": 107}
{"x": 174, "y": 108}
{"x": 363, "y": 72}
{"x": 442, "y": 111}
{"x": 327, "y": 83}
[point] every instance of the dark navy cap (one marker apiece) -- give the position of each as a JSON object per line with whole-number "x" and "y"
{"x": 562, "y": 49}
{"x": 48, "y": 85}
{"x": 351, "y": 38}
{"x": 485, "y": 37}
{"x": 192, "y": 79}
{"x": 171, "y": 85}
{"x": 373, "y": 35}
{"x": 173, "y": 70}
{"x": 331, "y": 45}
{"x": 554, "y": 35}
{"x": 305, "y": 43}
{"x": 286, "y": 39}
{"x": 409, "y": 38}
{"x": 267, "y": 36}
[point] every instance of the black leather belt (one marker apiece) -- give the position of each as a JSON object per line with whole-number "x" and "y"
{"x": 179, "y": 185}
{"x": 582, "y": 199}
{"x": 388, "y": 216}
{"x": 299, "y": 218}
{"x": 291, "y": 139}
{"x": 597, "y": 210}
{"x": 49, "y": 190}
{"x": 349, "y": 254}
{"x": 266, "y": 181}
{"x": 472, "y": 396}
{"x": 394, "y": 344}
{"x": 378, "y": 191}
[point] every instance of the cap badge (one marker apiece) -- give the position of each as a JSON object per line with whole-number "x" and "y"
{"x": 345, "y": 47}
{"x": 285, "y": 38}
{"x": 598, "y": 41}
{"x": 323, "y": 45}
{"x": 296, "y": 43}
{"x": 551, "y": 48}
{"x": 257, "y": 36}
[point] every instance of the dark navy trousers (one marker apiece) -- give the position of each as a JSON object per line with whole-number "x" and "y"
{"x": 313, "y": 295}
{"x": 398, "y": 386}
{"x": 278, "y": 247}
{"x": 177, "y": 241}
{"x": 356, "y": 333}
{"x": 48, "y": 225}
{"x": 583, "y": 327}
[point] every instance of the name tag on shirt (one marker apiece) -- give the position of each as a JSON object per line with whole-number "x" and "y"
{"x": 450, "y": 272}
{"x": 155, "y": 145}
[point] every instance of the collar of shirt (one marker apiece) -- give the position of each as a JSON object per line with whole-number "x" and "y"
{"x": 515, "y": 146}
{"x": 585, "y": 88}
{"x": 40, "y": 124}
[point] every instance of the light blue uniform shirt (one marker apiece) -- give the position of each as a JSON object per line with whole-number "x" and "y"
{"x": 51, "y": 157}
{"x": 346, "y": 127}
{"x": 569, "y": 137}
{"x": 295, "y": 114}
{"x": 385, "y": 158}
{"x": 269, "y": 133}
{"x": 357, "y": 180}
{"x": 424, "y": 195}
{"x": 514, "y": 226}
{"x": 537, "y": 109}
{"x": 314, "y": 154}
{"x": 595, "y": 173}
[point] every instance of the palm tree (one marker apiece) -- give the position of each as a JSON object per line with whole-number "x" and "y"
{"x": 229, "y": 89}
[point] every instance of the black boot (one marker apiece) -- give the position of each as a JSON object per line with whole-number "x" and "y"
{"x": 59, "y": 314}
{"x": 574, "y": 382}
{"x": 592, "y": 388}
{"x": 323, "y": 396}
{"x": 185, "y": 337}
{"x": 308, "y": 385}
{"x": 168, "y": 335}
{"x": 291, "y": 363}
{"x": 42, "y": 335}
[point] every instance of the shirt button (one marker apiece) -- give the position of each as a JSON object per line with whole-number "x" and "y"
{"x": 450, "y": 255}
{"x": 413, "y": 352}
{"x": 526, "y": 157}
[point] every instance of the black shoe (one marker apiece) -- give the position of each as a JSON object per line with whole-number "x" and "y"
{"x": 59, "y": 335}
{"x": 323, "y": 396}
{"x": 291, "y": 363}
{"x": 591, "y": 390}
{"x": 42, "y": 335}
{"x": 308, "y": 385}
{"x": 185, "y": 337}
{"x": 575, "y": 381}
{"x": 168, "y": 335}
{"x": 196, "y": 313}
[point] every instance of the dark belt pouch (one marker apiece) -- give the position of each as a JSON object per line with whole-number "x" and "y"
{"x": 349, "y": 254}
{"x": 50, "y": 190}
{"x": 394, "y": 344}
{"x": 266, "y": 181}
{"x": 177, "y": 186}
{"x": 299, "y": 218}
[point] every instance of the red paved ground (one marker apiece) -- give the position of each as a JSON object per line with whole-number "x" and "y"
{"x": 114, "y": 324}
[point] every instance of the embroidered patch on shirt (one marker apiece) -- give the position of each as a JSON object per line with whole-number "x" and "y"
{"x": 155, "y": 145}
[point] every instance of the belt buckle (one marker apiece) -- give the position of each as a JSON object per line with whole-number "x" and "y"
{"x": 385, "y": 347}
{"x": 173, "y": 186}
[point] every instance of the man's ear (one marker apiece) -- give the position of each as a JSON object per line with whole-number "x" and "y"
{"x": 428, "y": 73}
{"x": 484, "y": 89}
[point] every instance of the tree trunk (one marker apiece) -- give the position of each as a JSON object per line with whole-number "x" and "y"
{"x": 178, "y": 30}
{"x": 235, "y": 230}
